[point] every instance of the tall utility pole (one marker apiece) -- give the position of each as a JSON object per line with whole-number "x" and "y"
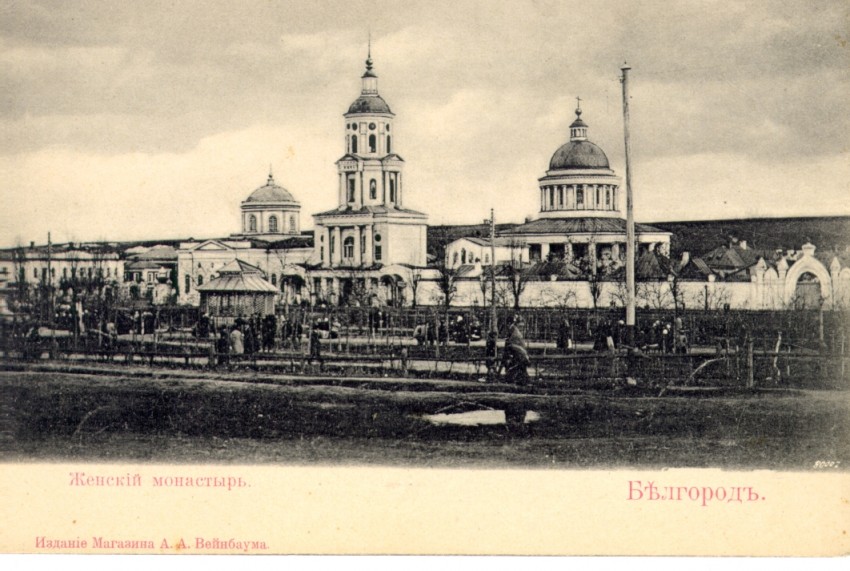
{"x": 493, "y": 326}
{"x": 49, "y": 280}
{"x": 630, "y": 218}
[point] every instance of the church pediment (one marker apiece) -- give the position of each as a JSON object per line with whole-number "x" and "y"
{"x": 212, "y": 246}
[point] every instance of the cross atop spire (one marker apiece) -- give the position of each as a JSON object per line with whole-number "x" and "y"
{"x": 369, "y": 55}
{"x": 271, "y": 175}
{"x": 578, "y": 130}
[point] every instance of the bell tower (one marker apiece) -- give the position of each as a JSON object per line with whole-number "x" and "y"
{"x": 370, "y": 225}
{"x": 369, "y": 171}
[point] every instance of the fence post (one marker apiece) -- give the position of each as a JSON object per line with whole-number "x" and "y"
{"x": 750, "y": 363}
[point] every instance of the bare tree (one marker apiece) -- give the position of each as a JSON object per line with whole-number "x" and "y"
{"x": 414, "y": 278}
{"x": 447, "y": 276}
{"x": 517, "y": 271}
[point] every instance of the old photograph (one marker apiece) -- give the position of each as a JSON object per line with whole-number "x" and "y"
{"x": 547, "y": 239}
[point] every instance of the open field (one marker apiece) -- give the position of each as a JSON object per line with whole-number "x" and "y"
{"x": 152, "y": 415}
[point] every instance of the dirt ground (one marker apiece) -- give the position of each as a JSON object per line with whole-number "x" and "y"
{"x": 248, "y": 418}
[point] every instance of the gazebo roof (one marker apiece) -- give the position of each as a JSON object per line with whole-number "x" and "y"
{"x": 238, "y": 277}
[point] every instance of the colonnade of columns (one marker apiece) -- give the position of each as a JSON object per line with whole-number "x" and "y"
{"x": 565, "y": 196}
{"x": 362, "y": 252}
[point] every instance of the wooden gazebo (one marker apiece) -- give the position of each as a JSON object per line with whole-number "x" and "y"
{"x": 239, "y": 289}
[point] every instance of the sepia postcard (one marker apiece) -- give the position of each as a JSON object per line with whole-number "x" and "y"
{"x": 427, "y": 278}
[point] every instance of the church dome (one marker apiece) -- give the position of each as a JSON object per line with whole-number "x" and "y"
{"x": 578, "y": 155}
{"x": 578, "y": 152}
{"x": 369, "y": 104}
{"x": 271, "y": 192}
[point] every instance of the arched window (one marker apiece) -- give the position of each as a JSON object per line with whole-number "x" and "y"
{"x": 378, "y": 247}
{"x": 373, "y": 189}
{"x": 354, "y": 143}
{"x": 463, "y": 255}
{"x": 274, "y": 280}
{"x": 454, "y": 259}
{"x": 389, "y": 144}
{"x": 200, "y": 280}
{"x": 392, "y": 189}
{"x": 579, "y": 197}
{"x": 292, "y": 228}
{"x": 348, "y": 247}
{"x": 608, "y": 197}
{"x": 252, "y": 223}
{"x": 373, "y": 144}
{"x": 272, "y": 223}
{"x": 187, "y": 283}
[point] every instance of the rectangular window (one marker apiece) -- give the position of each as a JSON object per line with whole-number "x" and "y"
{"x": 378, "y": 252}
{"x": 579, "y": 197}
{"x": 351, "y": 188}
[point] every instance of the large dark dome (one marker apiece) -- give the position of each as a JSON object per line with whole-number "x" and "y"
{"x": 578, "y": 155}
{"x": 271, "y": 192}
{"x": 369, "y": 104}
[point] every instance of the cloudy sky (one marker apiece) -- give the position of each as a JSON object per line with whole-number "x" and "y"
{"x": 144, "y": 120}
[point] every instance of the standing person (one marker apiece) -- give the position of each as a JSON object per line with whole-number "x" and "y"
{"x": 516, "y": 359}
{"x": 269, "y": 333}
{"x": 297, "y": 332}
{"x": 250, "y": 340}
{"x": 223, "y": 348}
{"x": 315, "y": 347}
{"x": 565, "y": 335}
{"x": 237, "y": 343}
{"x": 285, "y": 333}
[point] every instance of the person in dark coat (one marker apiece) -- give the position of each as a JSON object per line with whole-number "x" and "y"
{"x": 565, "y": 335}
{"x": 285, "y": 333}
{"x": 250, "y": 340}
{"x": 222, "y": 347}
{"x": 269, "y": 332}
{"x": 315, "y": 347}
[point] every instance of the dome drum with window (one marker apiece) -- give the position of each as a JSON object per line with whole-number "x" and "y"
{"x": 270, "y": 211}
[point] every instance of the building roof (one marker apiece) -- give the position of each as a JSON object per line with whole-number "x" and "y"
{"x": 731, "y": 258}
{"x": 499, "y": 241}
{"x": 144, "y": 265}
{"x": 238, "y": 266}
{"x": 579, "y": 225}
{"x": 271, "y": 192}
{"x": 578, "y": 155}
{"x": 369, "y": 103}
{"x": 368, "y": 209}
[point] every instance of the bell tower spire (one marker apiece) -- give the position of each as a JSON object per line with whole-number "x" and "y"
{"x": 370, "y": 80}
